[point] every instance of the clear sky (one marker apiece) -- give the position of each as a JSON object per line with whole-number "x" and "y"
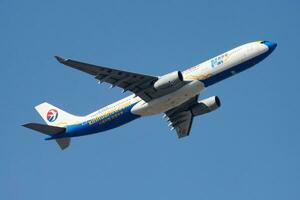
{"x": 248, "y": 149}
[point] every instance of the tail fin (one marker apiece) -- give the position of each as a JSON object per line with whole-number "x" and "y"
{"x": 54, "y": 116}
{"x": 56, "y": 119}
{"x": 50, "y": 130}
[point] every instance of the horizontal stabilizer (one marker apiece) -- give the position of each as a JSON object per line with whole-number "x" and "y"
{"x": 50, "y": 130}
{"x": 46, "y": 129}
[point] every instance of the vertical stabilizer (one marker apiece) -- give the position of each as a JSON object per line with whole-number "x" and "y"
{"x": 56, "y": 117}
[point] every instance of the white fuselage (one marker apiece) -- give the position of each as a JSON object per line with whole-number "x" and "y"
{"x": 174, "y": 94}
{"x": 168, "y": 101}
{"x": 203, "y": 71}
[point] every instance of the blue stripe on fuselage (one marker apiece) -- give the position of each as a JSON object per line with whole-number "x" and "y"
{"x": 234, "y": 70}
{"x": 124, "y": 115}
{"x": 113, "y": 120}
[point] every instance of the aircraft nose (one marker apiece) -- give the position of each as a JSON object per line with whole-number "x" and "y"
{"x": 270, "y": 45}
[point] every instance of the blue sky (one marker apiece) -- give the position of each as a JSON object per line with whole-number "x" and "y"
{"x": 248, "y": 149}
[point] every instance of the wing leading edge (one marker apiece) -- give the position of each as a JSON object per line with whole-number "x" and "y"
{"x": 140, "y": 84}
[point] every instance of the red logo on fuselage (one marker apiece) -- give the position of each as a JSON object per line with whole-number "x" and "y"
{"x": 52, "y": 115}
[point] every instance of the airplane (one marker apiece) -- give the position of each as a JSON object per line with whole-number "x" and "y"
{"x": 175, "y": 94}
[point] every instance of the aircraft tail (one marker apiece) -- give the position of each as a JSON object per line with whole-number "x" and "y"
{"x": 45, "y": 129}
{"x": 63, "y": 142}
{"x": 50, "y": 130}
{"x": 56, "y": 117}
{"x": 56, "y": 120}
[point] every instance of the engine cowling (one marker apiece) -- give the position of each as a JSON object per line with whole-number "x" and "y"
{"x": 172, "y": 79}
{"x": 206, "y": 106}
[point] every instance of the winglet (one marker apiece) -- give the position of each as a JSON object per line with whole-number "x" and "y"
{"x": 60, "y": 59}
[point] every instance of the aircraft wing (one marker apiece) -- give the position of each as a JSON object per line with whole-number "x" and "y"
{"x": 181, "y": 117}
{"x": 140, "y": 84}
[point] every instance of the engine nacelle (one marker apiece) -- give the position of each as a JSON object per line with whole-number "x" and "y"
{"x": 206, "y": 106}
{"x": 169, "y": 80}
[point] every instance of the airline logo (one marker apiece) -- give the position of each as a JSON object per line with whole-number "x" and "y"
{"x": 219, "y": 60}
{"x": 52, "y": 115}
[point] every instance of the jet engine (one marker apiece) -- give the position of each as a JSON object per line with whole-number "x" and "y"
{"x": 172, "y": 79}
{"x": 206, "y": 106}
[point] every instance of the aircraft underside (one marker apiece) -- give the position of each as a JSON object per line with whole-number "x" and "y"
{"x": 175, "y": 94}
